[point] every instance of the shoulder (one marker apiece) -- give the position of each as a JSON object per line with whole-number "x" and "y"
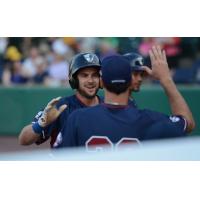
{"x": 166, "y": 121}
{"x": 65, "y": 100}
{"x": 70, "y": 101}
{"x": 157, "y": 116}
{"x": 166, "y": 129}
{"x": 76, "y": 115}
{"x": 154, "y": 115}
{"x": 91, "y": 109}
{"x": 83, "y": 113}
{"x": 132, "y": 102}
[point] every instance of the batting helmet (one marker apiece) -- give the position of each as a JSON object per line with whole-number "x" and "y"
{"x": 136, "y": 61}
{"x": 81, "y": 61}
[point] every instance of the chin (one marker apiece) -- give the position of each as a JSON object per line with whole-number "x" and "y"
{"x": 92, "y": 92}
{"x": 89, "y": 95}
{"x": 136, "y": 90}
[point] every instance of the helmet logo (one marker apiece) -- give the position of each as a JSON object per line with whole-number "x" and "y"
{"x": 89, "y": 57}
{"x": 138, "y": 61}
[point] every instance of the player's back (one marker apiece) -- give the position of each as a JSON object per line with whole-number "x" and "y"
{"x": 113, "y": 124}
{"x": 116, "y": 122}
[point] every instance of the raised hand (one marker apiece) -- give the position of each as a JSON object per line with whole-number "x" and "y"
{"x": 160, "y": 70}
{"x": 51, "y": 113}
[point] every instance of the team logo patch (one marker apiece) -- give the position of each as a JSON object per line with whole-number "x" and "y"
{"x": 89, "y": 57}
{"x": 174, "y": 119}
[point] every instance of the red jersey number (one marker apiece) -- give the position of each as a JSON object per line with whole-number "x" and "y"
{"x": 100, "y": 143}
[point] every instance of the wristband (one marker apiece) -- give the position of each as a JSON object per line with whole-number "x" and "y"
{"x": 37, "y": 128}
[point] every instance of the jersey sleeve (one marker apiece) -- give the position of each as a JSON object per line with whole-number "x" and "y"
{"x": 165, "y": 126}
{"x": 175, "y": 120}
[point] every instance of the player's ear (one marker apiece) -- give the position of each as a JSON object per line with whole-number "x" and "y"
{"x": 101, "y": 83}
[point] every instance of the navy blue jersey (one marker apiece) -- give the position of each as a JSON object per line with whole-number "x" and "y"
{"x": 73, "y": 103}
{"x": 132, "y": 102}
{"x": 114, "y": 125}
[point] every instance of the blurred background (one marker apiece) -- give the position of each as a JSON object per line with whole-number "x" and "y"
{"x": 35, "y": 70}
{"x": 44, "y": 61}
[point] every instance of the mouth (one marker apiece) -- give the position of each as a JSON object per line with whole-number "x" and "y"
{"x": 91, "y": 89}
{"x": 138, "y": 85}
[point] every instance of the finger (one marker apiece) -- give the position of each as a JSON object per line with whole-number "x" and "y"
{"x": 159, "y": 52}
{"x": 147, "y": 70}
{"x": 152, "y": 58}
{"x": 62, "y": 108}
{"x": 154, "y": 51}
{"x": 164, "y": 56}
{"x": 54, "y": 101}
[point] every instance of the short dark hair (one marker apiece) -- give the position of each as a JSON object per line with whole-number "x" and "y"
{"x": 117, "y": 88}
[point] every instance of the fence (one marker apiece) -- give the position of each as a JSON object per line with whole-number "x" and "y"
{"x": 18, "y": 106}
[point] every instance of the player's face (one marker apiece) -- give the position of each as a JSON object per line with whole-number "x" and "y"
{"x": 88, "y": 82}
{"x": 137, "y": 77}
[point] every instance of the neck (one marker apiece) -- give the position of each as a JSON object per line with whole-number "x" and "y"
{"x": 131, "y": 95}
{"x": 86, "y": 101}
{"x": 114, "y": 99}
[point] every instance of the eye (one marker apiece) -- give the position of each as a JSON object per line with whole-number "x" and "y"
{"x": 96, "y": 75}
{"x": 83, "y": 75}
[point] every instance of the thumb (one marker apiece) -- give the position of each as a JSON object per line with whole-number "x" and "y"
{"x": 62, "y": 108}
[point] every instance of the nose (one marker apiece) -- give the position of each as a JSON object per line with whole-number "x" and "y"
{"x": 90, "y": 79}
{"x": 139, "y": 77}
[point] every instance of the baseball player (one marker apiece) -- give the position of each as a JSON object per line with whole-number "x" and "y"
{"x": 84, "y": 77}
{"x": 114, "y": 122}
{"x": 138, "y": 73}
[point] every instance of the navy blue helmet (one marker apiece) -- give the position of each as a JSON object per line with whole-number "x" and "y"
{"x": 136, "y": 61}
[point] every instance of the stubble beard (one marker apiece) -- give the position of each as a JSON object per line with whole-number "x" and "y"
{"x": 86, "y": 95}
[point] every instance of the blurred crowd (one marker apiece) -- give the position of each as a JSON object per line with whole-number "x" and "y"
{"x": 45, "y": 61}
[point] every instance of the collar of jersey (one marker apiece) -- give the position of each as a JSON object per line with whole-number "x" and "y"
{"x": 83, "y": 103}
{"x": 114, "y": 106}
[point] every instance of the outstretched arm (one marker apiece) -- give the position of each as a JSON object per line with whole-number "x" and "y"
{"x": 160, "y": 71}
